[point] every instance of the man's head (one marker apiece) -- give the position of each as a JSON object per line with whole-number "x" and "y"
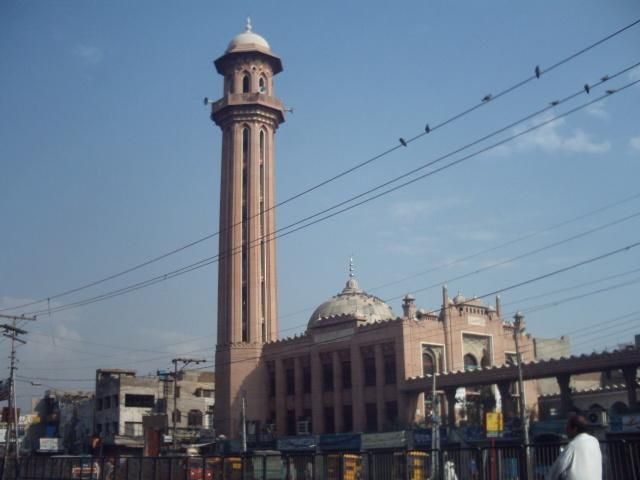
{"x": 576, "y": 424}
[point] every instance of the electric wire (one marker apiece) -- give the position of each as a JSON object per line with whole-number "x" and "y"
{"x": 374, "y": 327}
{"x": 340, "y": 174}
{"x": 210, "y": 260}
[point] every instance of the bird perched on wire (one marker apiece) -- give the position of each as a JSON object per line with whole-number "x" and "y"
{"x": 537, "y": 71}
{"x": 486, "y": 98}
{"x": 427, "y": 128}
{"x": 403, "y": 142}
{"x": 587, "y": 88}
{"x": 554, "y": 103}
{"x": 609, "y": 92}
{"x": 605, "y": 78}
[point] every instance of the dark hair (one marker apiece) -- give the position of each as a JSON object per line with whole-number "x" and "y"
{"x": 577, "y": 423}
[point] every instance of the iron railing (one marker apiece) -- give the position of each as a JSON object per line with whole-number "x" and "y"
{"x": 620, "y": 459}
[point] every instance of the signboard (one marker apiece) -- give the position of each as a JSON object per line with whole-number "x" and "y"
{"x": 49, "y": 444}
{"x": 474, "y": 320}
{"x": 340, "y": 441}
{"x": 422, "y": 437}
{"x": 300, "y": 443}
{"x": 626, "y": 423}
{"x": 371, "y": 441}
{"x": 493, "y": 423}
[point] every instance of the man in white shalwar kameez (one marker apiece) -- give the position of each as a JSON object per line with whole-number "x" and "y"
{"x": 581, "y": 459}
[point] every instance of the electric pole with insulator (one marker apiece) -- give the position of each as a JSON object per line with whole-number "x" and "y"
{"x": 11, "y": 437}
{"x": 185, "y": 362}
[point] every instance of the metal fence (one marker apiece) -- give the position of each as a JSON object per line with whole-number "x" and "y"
{"x": 621, "y": 461}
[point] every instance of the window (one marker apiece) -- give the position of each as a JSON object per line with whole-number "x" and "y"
{"x": 133, "y": 429}
{"x": 291, "y": 422}
{"x": 391, "y": 413}
{"x": 390, "y": 369}
{"x": 369, "y": 371}
{"x": 290, "y": 381}
{"x": 327, "y": 377}
{"x": 177, "y": 416}
{"x": 371, "y": 413}
{"x": 428, "y": 365}
{"x": 346, "y": 374}
{"x": 245, "y": 231}
{"x": 272, "y": 383}
{"x": 347, "y": 418}
{"x": 306, "y": 380}
{"x": 262, "y": 85}
{"x": 206, "y": 393}
{"x": 177, "y": 391}
{"x": 194, "y": 418}
{"x": 99, "y": 404}
{"x": 107, "y": 403}
{"x": 328, "y": 420}
{"x": 246, "y": 83}
{"x": 470, "y": 362}
{"x": 134, "y": 400}
{"x": 114, "y": 401}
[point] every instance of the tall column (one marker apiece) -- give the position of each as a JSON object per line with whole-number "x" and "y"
{"x": 631, "y": 382}
{"x": 506, "y": 399}
{"x": 379, "y": 357}
{"x": 450, "y": 394}
{"x": 357, "y": 387}
{"x": 317, "y": 404}
{"x": 566, "y": 404}
{"x": 281, "y": 413}
{"x": 247, "y": 293}
{"x": 337, "y": 392}
{"x": 299, "y": 387}
{"x": 446, "y": 321}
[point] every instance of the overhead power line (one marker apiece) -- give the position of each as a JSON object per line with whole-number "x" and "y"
{"x": 210, "y": 260}
{"x": 428, "y": 129}
{"x": 495, "y": 292}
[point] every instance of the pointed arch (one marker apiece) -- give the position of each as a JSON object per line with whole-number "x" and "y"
{"x": 246, "y": 82}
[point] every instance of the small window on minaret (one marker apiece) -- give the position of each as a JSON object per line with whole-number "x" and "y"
{"x": 262, "y": 85}
{"x": 246, "y": 83}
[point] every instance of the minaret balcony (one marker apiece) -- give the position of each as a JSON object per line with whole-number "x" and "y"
{"x": 248, "y": 99}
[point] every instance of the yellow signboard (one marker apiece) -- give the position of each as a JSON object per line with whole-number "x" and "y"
{"x": 493, "y": 422}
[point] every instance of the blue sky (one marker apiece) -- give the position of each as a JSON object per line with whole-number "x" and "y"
{"x": 109, "y": 158}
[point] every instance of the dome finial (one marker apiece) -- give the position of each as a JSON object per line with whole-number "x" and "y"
{"x": 248, "y": 25}
{"x": 351, "y": 267}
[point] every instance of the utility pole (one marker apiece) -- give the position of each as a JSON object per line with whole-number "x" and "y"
{"x": 524, "y": 418}
{"x": 12, "y": 332}
{"x": 185, "y": 362}
{"x": 435, "y": 423}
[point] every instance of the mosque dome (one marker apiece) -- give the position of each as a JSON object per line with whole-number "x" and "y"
{"x": 247, "y": 40}
{"x": 458, "y": 299}
{"x": 355, "y": 302}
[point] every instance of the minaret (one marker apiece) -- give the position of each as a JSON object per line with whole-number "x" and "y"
{"x": 248, "y": 115}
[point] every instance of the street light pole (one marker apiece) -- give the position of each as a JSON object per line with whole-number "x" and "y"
{"x": 524, "y": 418}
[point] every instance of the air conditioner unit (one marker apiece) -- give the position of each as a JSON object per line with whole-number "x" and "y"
{"x": 597, "y": 418}
{"x": 302, "y": 428}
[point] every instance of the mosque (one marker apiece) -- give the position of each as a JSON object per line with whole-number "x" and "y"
{"x": 346, "y": 372}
